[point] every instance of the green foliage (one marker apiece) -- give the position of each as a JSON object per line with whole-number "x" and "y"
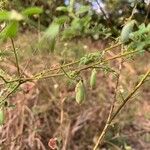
{"x": 10, "y": 16}
{"x": 12, "y": 19}
{"x": 62, "y": 8}
{"x": 90, "y": 58}
{"x": 52, "y": 31}
{"x": 127, "y": 29}
{"x": 140, "y": 39}
{"x": 4, "y": 15}
{"x": 51, "y": 34}
{"x": 32, "y": 11}
{"x": 10, "y": 30}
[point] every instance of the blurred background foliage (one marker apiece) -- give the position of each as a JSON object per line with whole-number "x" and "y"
{"x": 115, "y": 10}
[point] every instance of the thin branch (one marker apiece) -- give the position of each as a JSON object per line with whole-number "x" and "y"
{"x": 66, "y": 73}
{"x": 76, "y": 62}
{"x": 39, "y": 76}
{"x": 133, "y": 10}
{"x": 130, "y": 95}
{"x": 12, "y": 91}
{"x": 110, "y": 119}
{"x": 105, "y": 16}
{"x": 16, "y": 57}
{"x": 23, "y": 80}
{"x": 4, "y": 79}
{"x": 101, "y": 136}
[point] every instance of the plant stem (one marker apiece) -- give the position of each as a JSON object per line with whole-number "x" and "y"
{"x": 130, "y": 95}
{"x": 41, "y": 76}
{"x": 99, "y": 141}
{"x": 111, "y": 118}
{"x": 16, "y": 57}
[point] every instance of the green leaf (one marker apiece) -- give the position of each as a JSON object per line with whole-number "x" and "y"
{"x": 4, "y": 15}
{"x": 52, "y": 31}
{"x": 83, "y": 9}
{"x": 61, "y": 20}
{"x": 76, "y": 24}
{"x": 10, "y": 15}
{"x": 52, "y": 44}
{"x": 62, "y": 8}
{"x": 10, "y": 30}
{"x": 51, "y": 34}
{"x": 32, "y": 11}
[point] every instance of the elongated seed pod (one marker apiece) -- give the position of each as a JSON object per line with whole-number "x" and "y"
{"x": 80, "y": 92}
{"x": 126, "y": 30}
{"x": 93, "y": 79}
{"x": 1, "y": 116}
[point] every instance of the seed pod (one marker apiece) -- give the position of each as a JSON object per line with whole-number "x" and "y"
{"x": 1, "y": 116}
{"x": 126, "y": 30}
{"x": 93, "y": 78}
{"x": 80, "y": 92}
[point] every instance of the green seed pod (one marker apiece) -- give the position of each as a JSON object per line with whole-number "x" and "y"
{"x": 126, "y": 30}
{"x": 93, "y": 78}
{"x": 1, "y": 116}
{"x": 80, "y": 92}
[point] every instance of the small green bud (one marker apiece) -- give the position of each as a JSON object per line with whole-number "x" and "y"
{"x": 80, "y": 92}
{"x": 93, "y": 78}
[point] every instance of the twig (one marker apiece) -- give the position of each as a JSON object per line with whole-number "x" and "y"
{"x": 133, "y": 10}
{"x": 110, "y": 119}
{"x": 12, "y": 91}
{"x": 23, "y": 80}
{"x": 66, "y": 73}
{"x": 99, "y": 141}
{"x": 76, "y": 62}
{"x": 105, "y": 16}
{"x": 16, "y": 57}
{"x": 130, "y": 95}
{"x": 4, "y": 79}
{"x": 37, "y": 77}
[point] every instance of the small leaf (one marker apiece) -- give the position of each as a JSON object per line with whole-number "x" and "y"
{"x": 4, "y": 15}
{"x": 52, "y": 44}
{"x": 10, "y": 15}
{"x": 32, "y": 11}
{"x": 52, "y": 31}
{"x": 62, "y": 8}
{"x": 61, "y": 20}
{"x": 51, "y": 34}
{"x": 10, "y": 30}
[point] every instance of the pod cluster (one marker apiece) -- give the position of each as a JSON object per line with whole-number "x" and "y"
{"x": 80, "y": 88}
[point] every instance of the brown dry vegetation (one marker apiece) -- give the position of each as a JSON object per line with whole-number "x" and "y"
{"x": 46, "y": 108}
